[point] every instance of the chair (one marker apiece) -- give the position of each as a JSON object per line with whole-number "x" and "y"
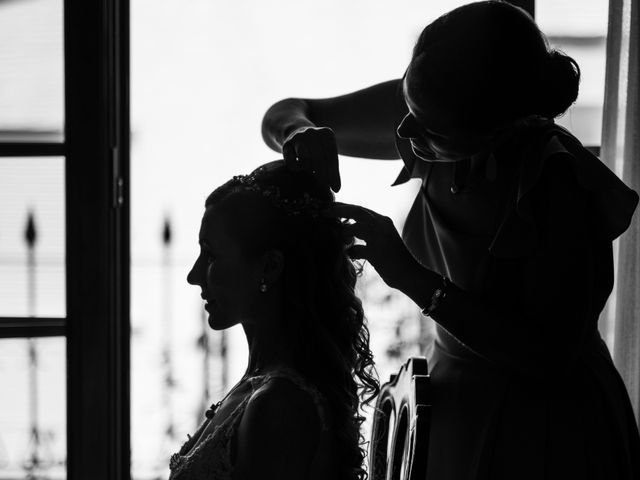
{"x": 400, "y": 432}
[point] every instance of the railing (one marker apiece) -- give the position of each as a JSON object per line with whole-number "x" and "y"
{"x": 37, "y": 459}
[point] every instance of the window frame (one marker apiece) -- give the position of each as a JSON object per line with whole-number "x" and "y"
{"x": 97, "y": 193}
{"x": 96, "y": 325}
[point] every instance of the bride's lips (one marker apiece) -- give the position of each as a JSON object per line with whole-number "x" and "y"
{"x": 207, "y": 302}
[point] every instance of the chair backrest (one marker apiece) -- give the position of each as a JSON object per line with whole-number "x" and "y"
{"x": 400, "y": 432}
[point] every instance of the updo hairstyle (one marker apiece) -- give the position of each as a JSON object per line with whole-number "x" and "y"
{"x": 488, "y": 63}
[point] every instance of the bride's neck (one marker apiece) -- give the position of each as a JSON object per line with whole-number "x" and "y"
{"x": 268, "y": 349}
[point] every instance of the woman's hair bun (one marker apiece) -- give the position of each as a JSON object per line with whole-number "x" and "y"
{"x": 560, "y": 86}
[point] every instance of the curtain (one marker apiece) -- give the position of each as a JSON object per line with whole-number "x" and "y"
{"x": 621, "y": 152}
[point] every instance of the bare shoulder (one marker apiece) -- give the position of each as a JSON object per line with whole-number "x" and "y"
{"x": 279, "y": 433}
{"x": 283, "y": 404}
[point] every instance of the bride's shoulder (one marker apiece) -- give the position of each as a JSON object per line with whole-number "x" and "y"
{"x": 280, "y": 426}
{"x": 283, "y": 397}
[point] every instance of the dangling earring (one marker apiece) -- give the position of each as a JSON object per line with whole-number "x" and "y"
{"x": 263, "y": 286}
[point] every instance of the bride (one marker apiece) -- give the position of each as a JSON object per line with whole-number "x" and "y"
{"x": 271, "y": 262}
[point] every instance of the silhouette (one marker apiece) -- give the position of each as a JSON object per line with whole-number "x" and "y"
{"x": 270, "y": 261}
{"x": 507, "y": 246}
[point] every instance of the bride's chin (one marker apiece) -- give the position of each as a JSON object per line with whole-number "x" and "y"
{"x": 214, "y": 321}
{"x": 216, "y": 325}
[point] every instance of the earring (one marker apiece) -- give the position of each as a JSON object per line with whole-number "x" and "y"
{"x": 263, "y": 286}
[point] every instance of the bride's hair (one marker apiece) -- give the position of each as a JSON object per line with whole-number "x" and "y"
{"x": 275, "y": 208}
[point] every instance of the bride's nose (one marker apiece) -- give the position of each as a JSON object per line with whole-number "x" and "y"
{"x": 192, "y": 277}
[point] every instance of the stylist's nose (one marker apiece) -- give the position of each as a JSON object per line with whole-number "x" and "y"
{"x": 407, "y": 127}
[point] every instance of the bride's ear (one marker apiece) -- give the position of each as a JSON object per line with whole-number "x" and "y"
{"x": 273, "y": 266}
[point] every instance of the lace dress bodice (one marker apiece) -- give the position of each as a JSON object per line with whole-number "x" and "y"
{"x": 209, "y": 458}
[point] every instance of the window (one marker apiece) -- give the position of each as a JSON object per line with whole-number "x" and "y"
{"x": 64, "y": 240}
{"x": 583, "y": 38}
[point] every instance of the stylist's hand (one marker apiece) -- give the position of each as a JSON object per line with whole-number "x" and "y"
{"x": 313, "y": 150}
{"x": 384, "y": 248}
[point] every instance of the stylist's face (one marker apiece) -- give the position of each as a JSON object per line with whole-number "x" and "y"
{"x": 426, "y": 128}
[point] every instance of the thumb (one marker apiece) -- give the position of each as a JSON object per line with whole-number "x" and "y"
{"x": 334, "y": 181}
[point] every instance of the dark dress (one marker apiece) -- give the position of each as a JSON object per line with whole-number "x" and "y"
{"x": 524, "y": 387}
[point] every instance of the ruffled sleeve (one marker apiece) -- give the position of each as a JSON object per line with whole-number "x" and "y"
{"x": 612, "y": 202}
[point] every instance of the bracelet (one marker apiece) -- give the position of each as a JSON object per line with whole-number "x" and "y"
{"x": 436, "y": 298}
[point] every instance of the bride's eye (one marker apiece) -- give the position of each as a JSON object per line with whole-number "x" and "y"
{"x": 207, "y": 256}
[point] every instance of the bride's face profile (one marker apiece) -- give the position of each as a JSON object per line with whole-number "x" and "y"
{"x": 228, "y": 278}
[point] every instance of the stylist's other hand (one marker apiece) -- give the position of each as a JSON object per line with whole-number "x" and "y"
{"x": 313, "y": 150}
{"x": 384, "y": 247}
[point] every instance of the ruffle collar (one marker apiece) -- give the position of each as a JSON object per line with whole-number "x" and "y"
{"x": 613, "y": 202}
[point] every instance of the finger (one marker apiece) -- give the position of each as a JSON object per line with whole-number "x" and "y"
{"x": 357, "y": 230}
{"x": 304, "y": 158}
{"x": 354, "y": 212}
{"x": 290, "y": 157}
{"x": 321, "y": 166}
{"x": 327, "y": 177}
{"x": 358, "y": 252}
{"x": 332, "y": 166}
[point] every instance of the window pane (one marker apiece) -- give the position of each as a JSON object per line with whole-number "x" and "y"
{"x": 33, "y": 408}
{"x": 579, "y": 28}
{"x": 32, "y": 268}
{"x": 32, "y": 73}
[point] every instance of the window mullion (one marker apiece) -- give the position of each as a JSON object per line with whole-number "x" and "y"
{"x": 21, "y": 149}
{"x": 96, "y": 104}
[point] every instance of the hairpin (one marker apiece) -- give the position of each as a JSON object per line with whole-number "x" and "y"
{"x": 306, "y": 205}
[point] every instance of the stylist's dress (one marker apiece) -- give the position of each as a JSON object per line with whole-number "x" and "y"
{"x": 523, "y": 386}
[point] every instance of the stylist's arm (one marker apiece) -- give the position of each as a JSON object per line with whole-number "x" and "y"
{"x": 311, "y": 133}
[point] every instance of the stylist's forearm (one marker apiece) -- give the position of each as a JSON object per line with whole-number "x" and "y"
{"x": 283, "y": 118}
{"x": 419, "y": 283}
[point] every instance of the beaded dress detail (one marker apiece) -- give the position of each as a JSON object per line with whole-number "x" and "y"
{"x": 210, "y": 458}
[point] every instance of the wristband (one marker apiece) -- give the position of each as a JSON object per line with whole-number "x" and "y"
{"x": 438, "y": 294}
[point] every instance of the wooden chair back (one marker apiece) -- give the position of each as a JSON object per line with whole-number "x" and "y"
{"x": 400, "y": 432}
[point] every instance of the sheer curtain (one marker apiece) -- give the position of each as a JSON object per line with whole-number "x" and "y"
{"x": 621, "y": 152}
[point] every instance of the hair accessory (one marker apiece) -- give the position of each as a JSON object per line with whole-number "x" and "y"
{"x": 436, "y": 298}
{"x": 306, "y": 205}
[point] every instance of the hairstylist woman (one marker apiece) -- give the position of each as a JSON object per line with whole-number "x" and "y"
{"x": 507, "y": 246}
